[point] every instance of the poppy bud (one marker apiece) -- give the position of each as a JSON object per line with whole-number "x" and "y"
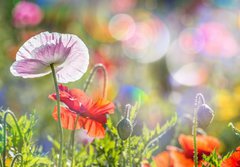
{"x": 124, "y": 128}
{"x": 205, "y": 116}
{"x": 1, "y": 139}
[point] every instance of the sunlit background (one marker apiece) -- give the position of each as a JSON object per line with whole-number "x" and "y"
{"x": 157, "y": 52}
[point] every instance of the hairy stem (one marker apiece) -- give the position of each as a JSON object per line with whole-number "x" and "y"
{"x": 15, "y": 158}
{"x": 198, "y": 102}
{"x": 129, "y": 151}
{"x": 59, "y": 115}
{"x": 105, "y": 83}
{"x": 195, "y": 125}
{"x": 5, "y": 133}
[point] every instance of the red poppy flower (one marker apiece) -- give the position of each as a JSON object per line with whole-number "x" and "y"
{"x": 233, "y": 160}
{"x": 205, "y": 145}
{"x": 175, "y": 157}
{"x": 163, "y": 159}
{"x": 92, "y": 114}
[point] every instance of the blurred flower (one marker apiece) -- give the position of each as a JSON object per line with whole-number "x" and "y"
{"x": 26, "y": 14}
{"x": 218, "y": 40}
{"x": 122, "y": 6}
{"x": 92, "y": 115}
{"x": 66, "y": 52}
{"x": 83, "y": 138}
{"x": 175, "y": 157}
{"x": 233, "y": 160}
{"x": 163, "y": 159}
{"x": 227, "y": 104}
{"x": 97, "y": 27}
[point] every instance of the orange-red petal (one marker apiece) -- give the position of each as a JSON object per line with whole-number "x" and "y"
{"x": 163, "y": 160}
{"x": 99, "y": 110}
{"x": 233, "y": 160}
{"x": 205, "y": 145}
{"x": 94, "y": 128}
{"x": 68, "y": 118}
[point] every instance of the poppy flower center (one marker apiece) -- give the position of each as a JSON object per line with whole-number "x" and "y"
{"x": 52, "y": 52}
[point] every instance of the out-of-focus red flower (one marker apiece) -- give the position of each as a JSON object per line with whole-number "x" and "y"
{"x": 163, "y": 159}
{"x": 175, "y": 157}
{"x": 92, "y": 114}
{"x": 205, "y": 145}
{"x": 233, "y": 160}
{"x": 26, "y": 14}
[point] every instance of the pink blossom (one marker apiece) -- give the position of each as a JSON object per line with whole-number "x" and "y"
{"x": 84, "y": 138}
{"x": 66, "y": 52}
{"x": 26, "y": 14}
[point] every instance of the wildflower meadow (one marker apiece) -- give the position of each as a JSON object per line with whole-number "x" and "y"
{"x": 119, "y": 83}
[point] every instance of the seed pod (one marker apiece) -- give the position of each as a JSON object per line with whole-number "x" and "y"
{"x": 1, "y": 139}
{"x": 124, "y": 128}
{"x": 205, "y": 116}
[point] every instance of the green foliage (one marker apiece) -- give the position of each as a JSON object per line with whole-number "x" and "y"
{"x": 113, "y": 151}
{"x": 109, "y": 151}
{"x": 214, "y": 159}
{"x": 31, "y": 154}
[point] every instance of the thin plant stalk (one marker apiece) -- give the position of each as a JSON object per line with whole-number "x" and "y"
{"x": 129, "y": 151}
{"x": 59, "y": 115}
{"x": 15, "y": 158}
{"x": 5, "y": 133}
{"x": 89, "y": 80}
{"x": 105, "y": 82}
{"x": 198, "y": 102}
{"x": 1, "y": 163}
{"x": 195, "y": 125}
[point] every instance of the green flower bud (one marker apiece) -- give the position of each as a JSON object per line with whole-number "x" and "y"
{"x": 124, "y": 128}
{"x": 205, "y": 116}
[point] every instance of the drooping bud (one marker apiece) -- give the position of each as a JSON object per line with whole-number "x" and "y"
{"x": 124, "y": 126}
{"x": 205, "y": 116}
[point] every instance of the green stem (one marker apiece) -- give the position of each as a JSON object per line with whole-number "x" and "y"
{"x": 5, "y": 133}
{"x": 89, "y": 80}
{"x": 72, "y": 140}
{"x": 1, "y": 163}
{"x": 123, "y": 150}
{"x": 15, "y": 158}
{"x": 195, "y": 125}
{"x": 129, "y": 151}
{"x": 59, "y": 115}
{"x": 198, "y": 102}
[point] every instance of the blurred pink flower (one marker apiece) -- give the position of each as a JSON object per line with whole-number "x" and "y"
{"x": 84, "y": 138}
{"x": 26, "y": 14}
{"x": 66, "y": 52}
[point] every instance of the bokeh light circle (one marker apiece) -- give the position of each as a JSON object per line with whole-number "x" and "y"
{"x": 149, "y": 42}
{"x": 122, "y": 26}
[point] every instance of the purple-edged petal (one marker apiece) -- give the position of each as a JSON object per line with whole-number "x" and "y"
{"x": 37, "y": 41}
{"x": 76, "y": 62}
{"x": 67, "y": 52}
{"x": 29, "y": 68}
